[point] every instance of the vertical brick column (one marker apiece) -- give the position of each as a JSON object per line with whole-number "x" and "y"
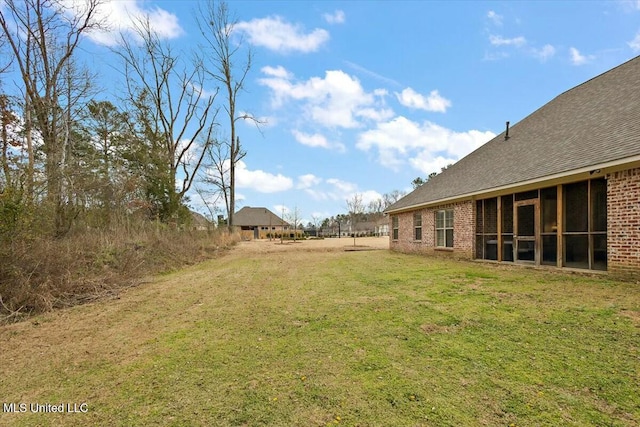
{"x": 623, "y": 223}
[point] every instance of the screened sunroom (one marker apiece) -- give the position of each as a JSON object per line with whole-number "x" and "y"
{"x": 563, "y": 226}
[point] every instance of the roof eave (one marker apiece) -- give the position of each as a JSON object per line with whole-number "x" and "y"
{"x": 597, "y": 170}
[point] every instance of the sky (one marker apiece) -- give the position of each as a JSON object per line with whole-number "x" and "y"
{"x": 361, "y": 97}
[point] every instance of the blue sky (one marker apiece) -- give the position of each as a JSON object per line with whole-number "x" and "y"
{"x": 364, "y": 96}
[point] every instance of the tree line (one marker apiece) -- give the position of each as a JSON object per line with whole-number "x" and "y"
{"x": 71, "y": 157}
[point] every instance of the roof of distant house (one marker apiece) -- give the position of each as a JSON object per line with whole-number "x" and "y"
{"x": 595, "y": 123}
{"x": 248, "y": 216}
{"x": 199, "y": 219}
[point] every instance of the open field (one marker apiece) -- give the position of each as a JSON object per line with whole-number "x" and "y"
{"x": 307, "y": 334}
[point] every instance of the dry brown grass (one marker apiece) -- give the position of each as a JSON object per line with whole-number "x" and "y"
{"x": 38, "y": 274}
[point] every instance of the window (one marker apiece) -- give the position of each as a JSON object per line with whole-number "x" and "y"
{"x": 444, "y": 228}
{"x": 585, "y": 219}
{"x": 417, "y": 226}
{"x": 394, "y": 226}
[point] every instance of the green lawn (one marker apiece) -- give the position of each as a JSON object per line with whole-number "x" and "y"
{"x": 312, "y": 338}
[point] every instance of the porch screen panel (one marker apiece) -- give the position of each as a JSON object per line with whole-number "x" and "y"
{"x": 576, "y": 205}
{"x": 507, "y": 227}
{"x": 487, "y": 229}
{"x": 598, "y": 224}
{"x": 549, "y": 207}
{"x": 585, "y": 220}
{"x": 479, "y": 229}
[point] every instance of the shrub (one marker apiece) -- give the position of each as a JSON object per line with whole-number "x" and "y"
{"x": 39, "y": 274}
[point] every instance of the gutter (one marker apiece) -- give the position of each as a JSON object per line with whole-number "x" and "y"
{"x": 593, "y": 171}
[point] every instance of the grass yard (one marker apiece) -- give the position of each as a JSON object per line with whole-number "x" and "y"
{"x": 317, "y": 337}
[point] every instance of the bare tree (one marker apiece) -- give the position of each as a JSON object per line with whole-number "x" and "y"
{"x": 218, "y": 170}
{"x": 180, "y": 114}
{"x": 355, "y": 206}
{"x": 217, "y": 27}
{"x": 209, "y": 204}
{"x": 316, "y": 220}
{"x": 8, "y": 121}
{"x": 42, "y": 36}
{"x": 390, "y": 198}
{"x": 294, "y": 218}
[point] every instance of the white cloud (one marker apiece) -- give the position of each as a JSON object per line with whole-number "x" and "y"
{"x": 494, "y": 17}
{"x": 343, "y": 186}
{"x": 427, "y": 163}
{"x": 635, "y": 43}
{"x": 375, "y": 114}
{"x": 279, "y": 72}
{"x": 318, "y": 195}
{"x": 336, "y": 190}
{"x": 337, "y": 17}
{"x": 434, "y": 102}
{"x": 276, "y": 34}
{"x": 280, "y": 210}
{"x": 344, "y": 190}
{"x": 316, "y": 140}
{"x": 261, "y": 181}
{"x": 501, "y": 41}
{"x": 307, "y": 181}
{"x": 190, "y": 150}
{"x": 401, "y": 140}
{"x": 369, "y": 196}
{"x": 337, "y": 100}
{"x": 520, "y": 43}
{"x": 577, "y": 58}
{"x": 544, "y": 53}
{"x": 204, "y": 93}
{"x": 121, "y": 17}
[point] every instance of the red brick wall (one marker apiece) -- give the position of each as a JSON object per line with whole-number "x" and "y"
{"x": 623, "y": 223}
{"x": 463, "y": 231}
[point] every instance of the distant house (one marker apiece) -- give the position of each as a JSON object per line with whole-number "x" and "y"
{"x": 560, "y": 188}
{"x": 260, "y": 223}
{"x": 200, "y": 222}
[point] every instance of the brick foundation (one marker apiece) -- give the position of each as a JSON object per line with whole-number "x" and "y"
{"x": 623, "y": 223}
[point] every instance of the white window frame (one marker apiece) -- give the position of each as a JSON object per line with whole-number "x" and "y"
{"x": 443, "y": 224}
{"x": 395, "y": 227}
{"x": 417, "y": 226}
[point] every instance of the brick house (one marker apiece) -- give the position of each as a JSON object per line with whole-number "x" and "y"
{"x": 560, "y": 188}
{"x": 260, "y": 223}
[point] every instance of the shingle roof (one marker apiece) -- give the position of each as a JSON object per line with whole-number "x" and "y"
{"x": 248, "y": 216}
{"x": 593, "y": 123}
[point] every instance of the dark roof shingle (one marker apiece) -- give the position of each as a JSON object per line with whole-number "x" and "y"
{"x": 595, "y": 122}
{"x": 248, "y": 216}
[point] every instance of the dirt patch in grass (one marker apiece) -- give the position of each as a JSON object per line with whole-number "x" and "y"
{"x": 431, "y": 328}
{"x": 634, "y": 315}
{"x": 312, "y": 245}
